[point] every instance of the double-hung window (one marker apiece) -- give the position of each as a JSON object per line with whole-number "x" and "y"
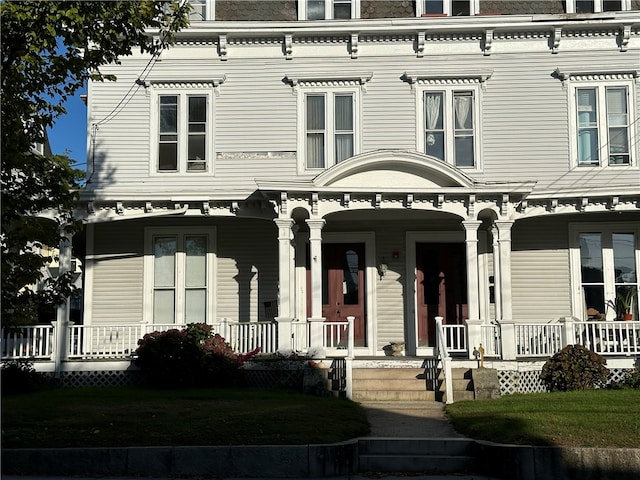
{"x": 451, "y": 8}
{"x": 329, "y": 128}
{"x": 595, "y": 6}
{"x": 605, "y": 261}
{"x": 603, "y": 125}
{"x": 201, "y": 10}
{"x": 328, "y": 9}
{"x": 179, "y": 275}
{"x": 184, "y": 132}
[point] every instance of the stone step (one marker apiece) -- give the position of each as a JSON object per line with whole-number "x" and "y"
{"x": 393, "y": 373}
{"x": 426, "y": 455}
{"x": 388, "y": 384}
{"x": 394, "y": 395}
{"x": 459, "y": 385}
{"x": 459, "y": 395}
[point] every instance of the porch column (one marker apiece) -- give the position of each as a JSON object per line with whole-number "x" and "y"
{"x": 61, "y": 352}
{"x": 315, "y": 249}
{"x": 504, "y": 248}
{"x": 471, "y": 243}
{"x": 286, "y": 293}
{"x": 497, "y": 298}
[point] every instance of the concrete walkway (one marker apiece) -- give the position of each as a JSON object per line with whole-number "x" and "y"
{"x": 400, "y": 419}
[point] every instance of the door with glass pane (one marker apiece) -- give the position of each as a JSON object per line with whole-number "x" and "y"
{"x": 180, "y": 283}
{"x": 441, "y": 287}
{"x": 343, "y": 286}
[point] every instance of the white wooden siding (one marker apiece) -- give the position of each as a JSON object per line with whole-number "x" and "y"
{"x": 523, "y": 138}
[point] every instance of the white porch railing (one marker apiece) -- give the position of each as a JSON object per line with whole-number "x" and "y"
{"x": 28, "y": 342}
{"x": 538, "y": 339}
{"x": 609, "y": 338}
{"x": 455, "y": 337}
{"x": 490, "y": 340}
{"x": 245, "y": 337}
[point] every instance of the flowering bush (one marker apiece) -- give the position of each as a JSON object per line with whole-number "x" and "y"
{"x": 193, "y": 357}
{"x": 574, "y": 368}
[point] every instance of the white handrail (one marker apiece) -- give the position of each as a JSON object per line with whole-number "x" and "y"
{"x": 445, "y": 358}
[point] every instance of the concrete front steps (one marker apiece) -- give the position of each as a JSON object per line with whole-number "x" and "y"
{"x": 402, "y": 383}
{"x": 462, "y": 385}
{"x": 426, "y": 455}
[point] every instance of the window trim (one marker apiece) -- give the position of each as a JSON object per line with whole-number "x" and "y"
{"x": 597, "y": 6}
{"x": 447, "y": 7}
{"x": 183, "y": 94}
{"x": 606, "y": 229}
{"x": 210, "y": 11}
{"x": 148, "y": 276}
{"x": 601, "y": 81}
{"x": 433, "y": 83}
{"x": 324, "y": 84}
{"x": 328, "y": 10}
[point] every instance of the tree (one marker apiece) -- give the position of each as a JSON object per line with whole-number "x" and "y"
{"x": 49, "y": 51}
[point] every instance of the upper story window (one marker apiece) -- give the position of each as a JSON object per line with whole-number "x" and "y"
{"x": 596, "y": 6}
{"x": 328, "y": 119}
{"x": 452, "y": 8}
{"x": 448, "y": 116}
{"x": 328, "y": 9}
{"x": 202, "y": 10}
{"x": 182, "y": 139}
{"x": 601, "y": 117}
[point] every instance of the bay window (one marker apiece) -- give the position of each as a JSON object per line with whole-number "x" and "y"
{"x": 179, "y": 275}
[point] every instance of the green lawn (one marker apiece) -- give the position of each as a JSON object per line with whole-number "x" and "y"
{"x": 100, "y": 417}
{"x": 596, "y": 418}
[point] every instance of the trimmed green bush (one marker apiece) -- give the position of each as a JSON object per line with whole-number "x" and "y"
{"x": 575, "y": 368}
{"x": 193, "y": 357}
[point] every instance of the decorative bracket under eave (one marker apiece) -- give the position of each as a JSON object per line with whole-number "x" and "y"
{"x": 354, "y": 45}
{"x": 222, "y": 46}
{"x": 556, "y": 36}
{"x": 420, "y": 41}
{"x": 288, "y": 46}
{"x": 625, "y": 35}
{"x": 488, "y": 41}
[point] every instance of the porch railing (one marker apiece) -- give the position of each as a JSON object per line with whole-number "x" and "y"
{"x": 28, "y": 342}
{"x": 609, "y": 338}
{"x": 490, "y": 340}
{"x": 455, "y": 338}
{"x": 538, "y": 339}
{"x": 445, "y": 359}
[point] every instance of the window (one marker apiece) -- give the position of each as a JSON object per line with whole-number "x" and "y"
{"x": 607, "y": 258}
{"x": 449, "y": 125}
{"x": 595, "y": 6}
{"x": 330, "y": 131}
{"x": 328, "y": 9}
{"x": 452, "y": 8}
{"x": 184, "y": 132}
{"x": 603, "y": 125}
{"x": 179, "y": 275}
{"x": 202, "y": 10}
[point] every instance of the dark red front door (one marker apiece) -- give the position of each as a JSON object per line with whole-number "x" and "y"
{"x": 442, "y": 287}
{"x": 343, "y": 285}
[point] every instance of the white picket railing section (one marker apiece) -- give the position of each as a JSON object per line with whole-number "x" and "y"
{"x": 538, "y": 339}
{"x": 28, "y": 342}
{"x": 490, "y": 340}
{"x": 609, "y": 338}
{"x": 336, "y": 335}
{"x": 455, "y": 337}
{"x": 246, "y": 337}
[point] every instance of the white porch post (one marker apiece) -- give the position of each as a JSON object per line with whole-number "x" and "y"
{"x": 61, "y": 352}
{"x": 473, "y": 295}
{"x": 497, "y": 298}
{"x": 316, "y": 319}
{"x": 507, "y": 326}
{"x": 286, "y": 300}
{"x": 568, "y": 331}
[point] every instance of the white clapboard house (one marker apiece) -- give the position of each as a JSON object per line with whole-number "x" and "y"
{"x": 350, "y": 177}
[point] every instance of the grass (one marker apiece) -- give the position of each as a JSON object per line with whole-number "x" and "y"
{"x": 595, "y": 418}
{"x": 127, "y": 416}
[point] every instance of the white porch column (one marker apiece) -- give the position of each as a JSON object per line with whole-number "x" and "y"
{"x": 62, "y": 311}
{"x": 315, "y": 249}
{"x": 286, "y": 300}
{"x": 473, "y": 285}
{"x": 504, "y": 248}
{"x": 497, "y": 298}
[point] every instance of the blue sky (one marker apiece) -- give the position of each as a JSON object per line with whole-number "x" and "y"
{"x": 69, "y": 133}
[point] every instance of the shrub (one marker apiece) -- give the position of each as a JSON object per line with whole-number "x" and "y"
{"x": 631, "y": 379}
{"x": 193, "y": 357}
{"x": 19, "y": 376}
{"x": 574, "y": 368}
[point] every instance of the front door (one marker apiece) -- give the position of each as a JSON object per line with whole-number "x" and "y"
{"x": 442, "y": 287}
{"x": 343, "y": 286}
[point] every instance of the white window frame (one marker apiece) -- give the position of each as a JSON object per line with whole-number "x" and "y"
{"x": 209, "y": 11}
{"x": 447, "y": 7}
{"x": 183, "y": 95}
{"x": 597, "y": 5}
{"x": 328, "y": 10}
{"x": 606, "y": 230}
{"x": 427, "y": 84}
{"x": 328, "y": 85}
{"x": 584, "y": 81}
{"x": 148, "y": 277}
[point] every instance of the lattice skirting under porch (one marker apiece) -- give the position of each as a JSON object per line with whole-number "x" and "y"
{"x": 513, "y": 381}
{"x": 99, "y": 378}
